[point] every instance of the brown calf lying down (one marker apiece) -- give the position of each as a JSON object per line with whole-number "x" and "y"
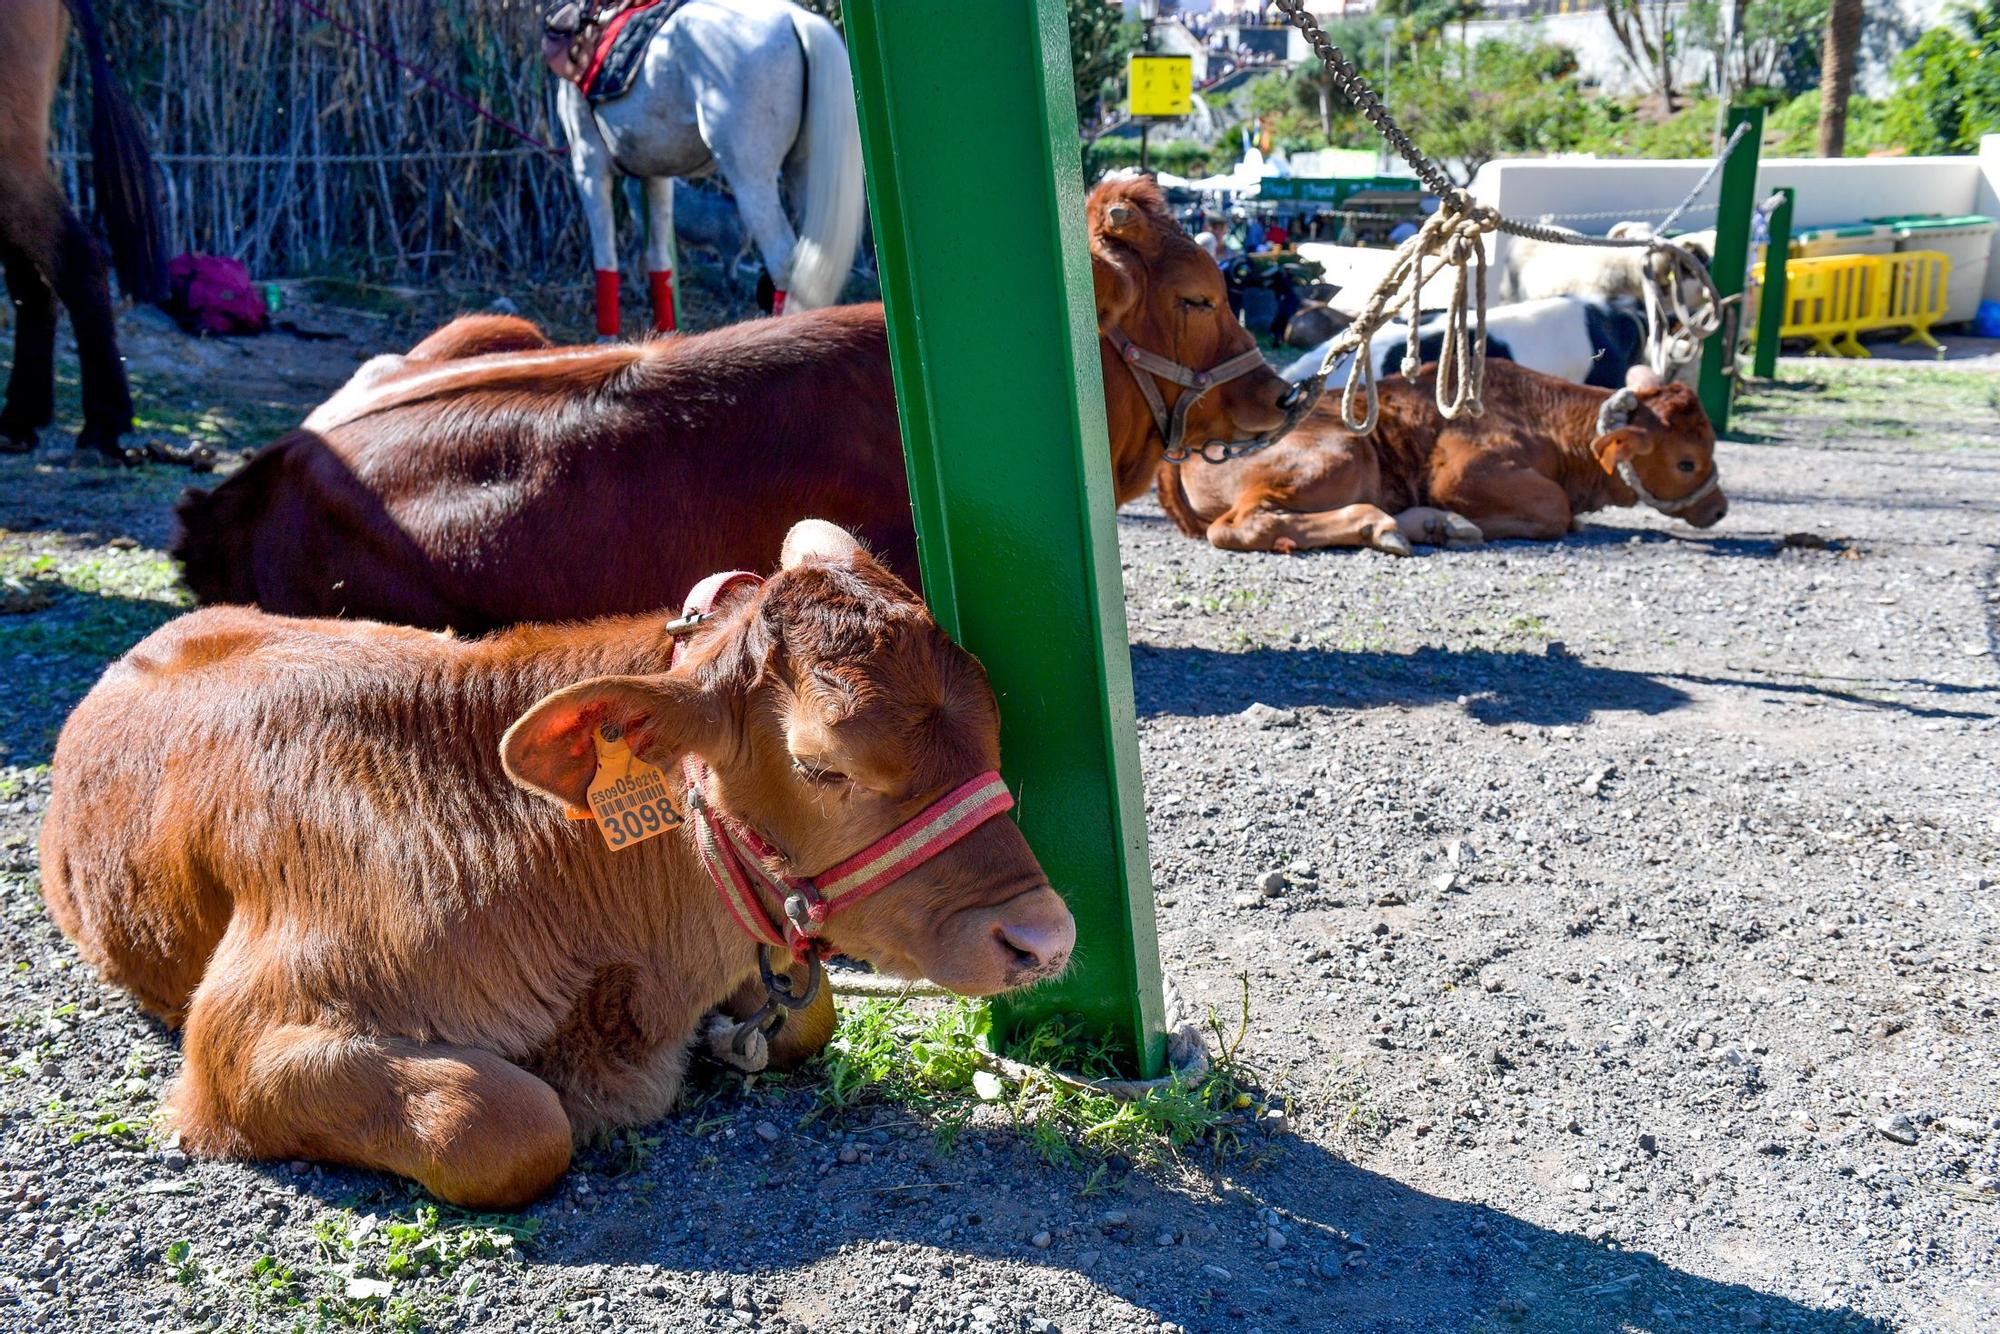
{"x": 488, "y": 479}
{"x": 300, "y": 839}
{"x": 1544, "y": 452}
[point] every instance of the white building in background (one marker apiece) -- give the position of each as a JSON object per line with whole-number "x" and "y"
{"x": 1888, "y": 27}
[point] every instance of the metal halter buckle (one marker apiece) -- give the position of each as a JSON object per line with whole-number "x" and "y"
{"x": 780, "y": 998}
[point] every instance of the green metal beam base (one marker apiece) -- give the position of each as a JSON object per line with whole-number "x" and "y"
{"x": 1731, "y": 268}
{"x": 975, "y": 182}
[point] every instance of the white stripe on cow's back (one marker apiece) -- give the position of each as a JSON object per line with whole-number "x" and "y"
{"x": 385, "y": 389}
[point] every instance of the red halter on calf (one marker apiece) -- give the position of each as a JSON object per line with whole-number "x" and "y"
{"x": 736, "y": 858}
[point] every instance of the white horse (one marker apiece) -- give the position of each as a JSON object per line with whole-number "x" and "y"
{"x": 754, "y": 89}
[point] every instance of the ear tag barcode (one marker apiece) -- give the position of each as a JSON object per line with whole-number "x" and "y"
{"x": 631, "y": 799}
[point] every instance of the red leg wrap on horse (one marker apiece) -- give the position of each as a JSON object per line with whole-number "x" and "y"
{"x": 661, "y": 283}
{"x": 778, "y": 302}
{"x": 607, "y": 302}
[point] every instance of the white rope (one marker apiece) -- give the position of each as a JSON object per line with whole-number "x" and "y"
{"x": 1453, "y": 235}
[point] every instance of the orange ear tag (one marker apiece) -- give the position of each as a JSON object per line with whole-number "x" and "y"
{"x": 630, "y": 799}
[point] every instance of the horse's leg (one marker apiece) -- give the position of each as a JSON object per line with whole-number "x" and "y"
{"x": 660, "y": 250}
{"x": 591, "y": 167}
{"x": 86, "y": 294}
{"x": 764, "y": 214}
{"x": 30, "y": 402}
{"x": 749, "y": 150}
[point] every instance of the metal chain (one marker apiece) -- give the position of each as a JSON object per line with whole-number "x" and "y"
{"x": 1453, "y": 236}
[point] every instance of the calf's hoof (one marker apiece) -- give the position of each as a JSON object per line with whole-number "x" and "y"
{"x": 1461, "y": 532}
{"x": 1393, "y": 543}
{"x": 718, "y": 1043}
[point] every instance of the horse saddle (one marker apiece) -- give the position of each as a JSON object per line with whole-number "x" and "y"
{"x": 622, "y": 47}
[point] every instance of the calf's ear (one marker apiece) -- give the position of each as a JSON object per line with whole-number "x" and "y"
{"x": 1117, "y": 291}
{"x": 1615, "y": 447}
{"x": 550, "y": 749}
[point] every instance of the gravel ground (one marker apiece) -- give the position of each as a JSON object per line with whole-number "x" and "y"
{"x": 1632, "y": 965}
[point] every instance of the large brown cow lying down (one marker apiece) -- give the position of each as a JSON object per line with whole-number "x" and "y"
{"x": 1544, "y": 452}
{"x": 300, "y": 839}
{"x": 488, "y": 479}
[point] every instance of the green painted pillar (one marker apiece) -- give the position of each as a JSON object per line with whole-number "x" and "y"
{"x": 1771, "y": 291}
{"x": 975, "y": 186}
{"x": 1738, "y": 202}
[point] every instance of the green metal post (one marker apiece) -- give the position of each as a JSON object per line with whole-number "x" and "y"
{"x": 975, "y": 183}
{"x": 1771, "y": 292}
{"x": 1732, "y": 263}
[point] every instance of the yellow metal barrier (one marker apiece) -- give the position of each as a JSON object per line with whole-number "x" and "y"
{"x": 1831, "y": 299}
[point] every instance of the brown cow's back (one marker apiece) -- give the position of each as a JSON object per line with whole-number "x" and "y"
{"x": 506, "y": 469}
{"x": 345, "y": 885}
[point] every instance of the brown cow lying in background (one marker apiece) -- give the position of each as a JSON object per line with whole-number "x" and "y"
{"x": 300, "y": 839}
{"x": 488, "y": 479}
{"x": 1544, "y": 452}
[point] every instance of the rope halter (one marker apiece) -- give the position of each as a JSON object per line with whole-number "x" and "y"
{"x": 1616, "y": 414}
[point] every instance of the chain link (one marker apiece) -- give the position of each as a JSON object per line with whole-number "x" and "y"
{"x": 1453, "y": 237}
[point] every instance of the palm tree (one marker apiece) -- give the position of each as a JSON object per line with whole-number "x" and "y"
{"x": 1836, "y": 73}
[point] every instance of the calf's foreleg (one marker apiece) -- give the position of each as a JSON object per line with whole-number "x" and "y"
{"x": 1255, "y": 526}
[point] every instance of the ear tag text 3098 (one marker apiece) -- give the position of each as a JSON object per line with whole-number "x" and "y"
{"x": 630, "y": 799}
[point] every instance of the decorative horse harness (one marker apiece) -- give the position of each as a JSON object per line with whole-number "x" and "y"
{"x": 607, "y": 41}
{"x": 738, "y": 860}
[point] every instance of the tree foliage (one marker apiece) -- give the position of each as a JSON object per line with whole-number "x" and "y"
{"x": 1771, "y": 43}
{"x": 1648, "y": 32}
{"x": 1949, "y": 84}
{"x": 1467, "y": 107}
{"x": 1099, "y": 41}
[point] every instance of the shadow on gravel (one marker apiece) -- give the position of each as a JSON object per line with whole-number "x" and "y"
{"x": 51, "y": 657}
{"x": 1832, "y": 694}
{"x": 1500, "y": 686}
{"x": 1361, "y": 1251}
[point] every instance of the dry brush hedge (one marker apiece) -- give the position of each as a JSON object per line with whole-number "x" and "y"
{"x": 286, "y": 142}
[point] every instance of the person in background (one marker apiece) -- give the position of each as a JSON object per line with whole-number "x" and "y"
{"x": 1253, "y": 233}
{"x": 1276, "y": 237}
{"x": 1214, "y": 237}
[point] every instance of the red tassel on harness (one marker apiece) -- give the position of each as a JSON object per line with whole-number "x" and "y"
{"x": 607, "y": 302}
{"x": 778, "y": 302}
{"x": 661, "y": 283}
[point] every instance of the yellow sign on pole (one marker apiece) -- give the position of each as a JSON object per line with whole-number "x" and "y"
{"x": 1159, "y": 85}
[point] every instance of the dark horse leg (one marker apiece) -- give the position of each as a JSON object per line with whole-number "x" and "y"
{"x": 86, "y": 294}
{"x": 30, "y": 402}
{"x": 49, "y": 256}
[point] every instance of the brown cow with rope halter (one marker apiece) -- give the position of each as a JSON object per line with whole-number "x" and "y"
{"x": 1543, "y": 452}
{"x": 488, "y": 478}
{"x": 48, "y": 254}
{"x": 342, "y": 856}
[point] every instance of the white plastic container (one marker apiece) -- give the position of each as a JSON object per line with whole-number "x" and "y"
{"x": 1966, "y": 241}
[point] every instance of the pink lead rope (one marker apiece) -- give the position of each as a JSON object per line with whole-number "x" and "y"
{"x": 735, "y": 857}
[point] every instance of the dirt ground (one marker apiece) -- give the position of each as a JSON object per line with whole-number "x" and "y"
{"x": 1631, "y": 965}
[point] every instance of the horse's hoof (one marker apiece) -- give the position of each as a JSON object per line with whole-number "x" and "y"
{"x": 107, "y": 453}
{"x": 1394, "y": 543}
